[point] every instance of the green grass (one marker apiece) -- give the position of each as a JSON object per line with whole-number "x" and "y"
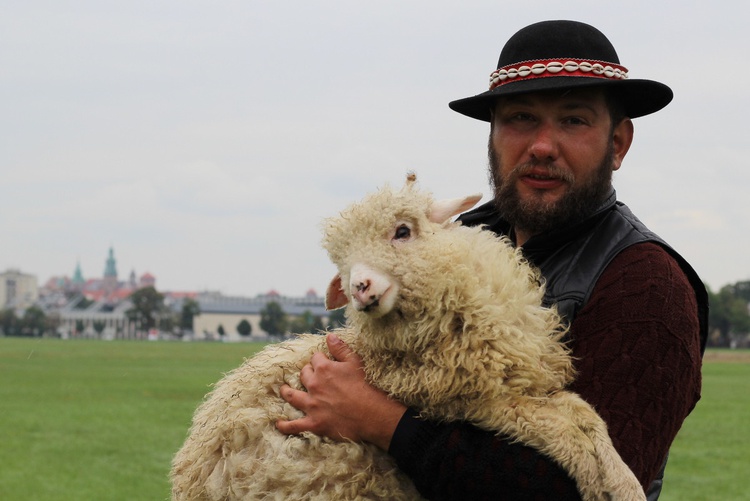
{"x": 97, "y": 420}
{"x": 710, "y": 458}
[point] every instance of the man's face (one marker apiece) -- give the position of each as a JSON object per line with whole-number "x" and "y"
{"x": 552, "y": 157}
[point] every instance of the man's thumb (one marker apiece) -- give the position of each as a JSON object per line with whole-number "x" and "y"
{"x": 337, "y": 347}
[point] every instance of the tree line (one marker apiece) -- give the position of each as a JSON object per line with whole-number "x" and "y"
{"x": 276, "y": 322}
{"x": 148, "y": 311}
{"x": 729, "y": 317}
{"x": 34, "y": 322}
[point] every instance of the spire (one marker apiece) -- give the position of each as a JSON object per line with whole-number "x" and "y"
{"x": 110, "y": 273}
{"x": 78, "y": 275}
{"x": 110, "y": 269}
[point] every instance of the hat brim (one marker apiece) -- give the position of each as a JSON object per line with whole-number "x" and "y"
{"x": 638, "y": 97}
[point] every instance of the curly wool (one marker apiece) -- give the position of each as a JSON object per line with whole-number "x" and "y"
{"x": 467, "y": 339}
{"x": 234, "y": 451}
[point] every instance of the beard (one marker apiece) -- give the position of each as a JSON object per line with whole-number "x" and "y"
{"x": 536, "y": 216}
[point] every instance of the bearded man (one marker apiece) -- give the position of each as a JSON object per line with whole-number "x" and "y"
{"x": 560, "y": 108}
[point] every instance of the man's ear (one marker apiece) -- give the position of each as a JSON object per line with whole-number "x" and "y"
{"x": 622, "y": 138}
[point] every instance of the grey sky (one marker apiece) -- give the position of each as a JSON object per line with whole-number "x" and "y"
{"x": 206, "y": 141}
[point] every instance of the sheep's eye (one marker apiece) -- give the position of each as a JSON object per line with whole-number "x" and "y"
{"x": 403, "y": 232}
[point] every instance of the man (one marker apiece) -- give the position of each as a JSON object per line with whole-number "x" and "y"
{"x": 560, "y": 107}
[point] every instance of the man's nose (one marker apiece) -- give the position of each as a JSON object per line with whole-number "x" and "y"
{"x": 544, "y": 143}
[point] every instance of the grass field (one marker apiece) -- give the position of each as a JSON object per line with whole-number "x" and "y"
{"x": 97, "y": 420}
{"x": 710, "y": 458}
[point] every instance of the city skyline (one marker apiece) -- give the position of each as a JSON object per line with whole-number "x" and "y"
{"x": 132, "y": 279}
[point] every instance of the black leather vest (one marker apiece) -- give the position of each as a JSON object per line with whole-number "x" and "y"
{"x": 572, "y": 259}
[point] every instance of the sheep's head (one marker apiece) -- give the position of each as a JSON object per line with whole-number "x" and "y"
{"x": 382, "y": 248}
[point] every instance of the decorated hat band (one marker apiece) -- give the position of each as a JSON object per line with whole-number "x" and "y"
{"x": 542, "y": 68}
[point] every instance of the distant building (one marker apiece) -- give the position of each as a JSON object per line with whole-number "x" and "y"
{"x": 18, "y": 290}
{"x": 107, "y": 289}
{"x": 147, "y": 280}
{"x": 109, "y": 280}
{"x": 229, "y": 311}
{"x": 77, "y": 282}
{"x": 81, "y": 318}
{"x": 96, "y": 307}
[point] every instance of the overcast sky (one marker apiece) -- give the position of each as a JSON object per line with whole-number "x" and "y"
{"x": 206, "y": 141}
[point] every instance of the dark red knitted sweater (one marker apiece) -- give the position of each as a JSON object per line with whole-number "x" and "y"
{"x": 637, "y": 352}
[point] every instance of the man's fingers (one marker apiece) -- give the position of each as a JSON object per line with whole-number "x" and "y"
{"x": 306, "y": 371}
{"x": 339, "y": 349}
{"x": 297, "y": 398}
{"x": 318, "y": 359}
{"x": 294, "y": 427}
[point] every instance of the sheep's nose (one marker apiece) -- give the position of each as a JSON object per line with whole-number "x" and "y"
{"x": 362, "y": 292}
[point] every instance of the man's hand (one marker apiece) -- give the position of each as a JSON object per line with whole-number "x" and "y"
{"x": 339, "y": 403}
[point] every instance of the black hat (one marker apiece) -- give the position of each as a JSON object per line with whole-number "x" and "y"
{"x": 563, "y": 55}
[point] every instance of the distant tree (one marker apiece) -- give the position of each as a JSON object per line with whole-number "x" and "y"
{"x": 80, "y": 327}
{"x": 307, "y": 322}
{"x": 336, "y": 318}
{"x": 99, "y": 326}
{"x": 740, "y": 290}
{"x": 190, "y": 309}
{"x": 273, "y": 319}
{"x": 166, "y": 321}
{"x": 728, "y": 314}
{"x": 83, "y": 303}
{"x": 221, "y": 331}
{"x": 52, "y": 323}
{"x": 148, "y": 306}
{"x": 244, "y": 328}
{"x": 9, "y": 322}
{"x": 33, "y": 321}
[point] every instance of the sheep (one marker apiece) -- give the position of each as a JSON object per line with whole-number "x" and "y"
{"x": 447, "y": 319}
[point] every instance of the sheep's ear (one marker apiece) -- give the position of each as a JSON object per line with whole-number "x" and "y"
{"x": 443, "y": 210}
{"x": 335, "y": 297}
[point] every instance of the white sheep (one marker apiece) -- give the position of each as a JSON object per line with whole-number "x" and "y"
{"x": 448, "y": 320}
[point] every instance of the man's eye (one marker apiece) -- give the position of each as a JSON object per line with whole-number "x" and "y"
{"x": 575, "y": 121}
{"x": 403, "y": 232}
{"x": 522, "y": 117}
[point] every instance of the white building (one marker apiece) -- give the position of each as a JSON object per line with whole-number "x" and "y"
{"x": 17, "y": 290}
{"x": 228, "y": 311}
{"x": 83, "y": 322}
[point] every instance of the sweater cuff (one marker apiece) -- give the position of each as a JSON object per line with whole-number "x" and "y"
{"x": 412, "y": 437}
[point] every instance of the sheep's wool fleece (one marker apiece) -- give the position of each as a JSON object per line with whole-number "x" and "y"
{"x": 234, "y": 452}
{"x": 466, "y": 339}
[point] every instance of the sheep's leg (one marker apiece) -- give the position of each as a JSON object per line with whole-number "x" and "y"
{"x": 568, "y": 430}
{"x": 616, "y": 477}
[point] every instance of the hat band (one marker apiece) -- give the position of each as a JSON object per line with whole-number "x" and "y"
{"x": 543, "y": 68}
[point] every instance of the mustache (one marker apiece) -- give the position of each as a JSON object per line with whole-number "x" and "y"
{"x": 533, "y": 166}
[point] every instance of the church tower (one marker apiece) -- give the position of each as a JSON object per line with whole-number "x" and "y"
{"x": 77, "y": 282}
{"x": 110, "y": 272}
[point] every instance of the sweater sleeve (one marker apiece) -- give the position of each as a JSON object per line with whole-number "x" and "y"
{"x": 641, "y": 371}
{"x": 637, "y": 344}
{"x": 451, "y": 461}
